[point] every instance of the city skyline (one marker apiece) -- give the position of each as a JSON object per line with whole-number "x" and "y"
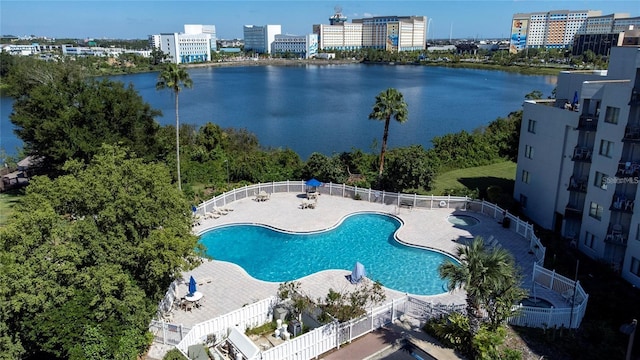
{"x": 138, "y": 19}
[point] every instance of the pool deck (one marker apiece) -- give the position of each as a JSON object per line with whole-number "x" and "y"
{"x": 227, "y": 287}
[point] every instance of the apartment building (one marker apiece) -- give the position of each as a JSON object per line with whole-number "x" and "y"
{"x": 259, "y": 38}
{"x": 579, "y": 161}
{"x": 553, "y": 29}
{"x": 302, "y": 46}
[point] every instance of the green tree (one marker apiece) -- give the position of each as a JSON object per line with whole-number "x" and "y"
{"x": 389, "y": 104}
{"x": 69, "y": 119}
{"x": 408, "y": 168}
{"x": 174, "y": 77}
{"x": 486, "y": 275}
{"x": 87, "y": 256}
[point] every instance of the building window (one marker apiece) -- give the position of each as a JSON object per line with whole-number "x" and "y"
{"x": 595, "y": 211}
{"x": 523, "y": 201}
{"x": 589, "y": 240}
{"x": 606, "y": 148}
{"x": 635, "y": 266}
{"x": 525, "y": 176}
{"x": 532, "y": 126}
{"x": 601, "y": 180}
{"x": 611, "y": 116}
{"x": 528, "y": 152}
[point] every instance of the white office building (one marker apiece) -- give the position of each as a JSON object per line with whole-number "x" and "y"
{"x": 194, "y": 45}
{"x": 302, "y": 46}
{"x": 579, "y": 161}
{"x": 259, "y": 38}
{"x": 203, "y": 29}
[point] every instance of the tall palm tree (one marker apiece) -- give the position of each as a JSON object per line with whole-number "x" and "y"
{"x": 389, "y": 104}
{"x": 483, "y": 273}
{"x": 173, "y": 77}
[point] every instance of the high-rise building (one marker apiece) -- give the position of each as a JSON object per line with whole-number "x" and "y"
{"x": 203, "y": 29}
{"x": 390, "y": 33}
{"x": 341, "y": 36}
{"x": 578, "y": 167}
{"x": 394, "y": 33}
{"x": 193, "y": 45}
{"x": 259, "y": 38}
{"x": 553, "y": 29}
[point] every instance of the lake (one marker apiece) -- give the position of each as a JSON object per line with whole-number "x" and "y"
{"x": 325, "y": 108}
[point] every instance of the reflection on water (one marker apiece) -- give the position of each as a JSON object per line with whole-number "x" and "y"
{"x": 325, "y": 108}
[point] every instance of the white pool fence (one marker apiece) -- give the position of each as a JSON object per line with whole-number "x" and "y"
{"x": 333, "y": 335}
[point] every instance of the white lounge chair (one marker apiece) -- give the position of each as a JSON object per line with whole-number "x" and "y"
{"x": 220, "y": 211}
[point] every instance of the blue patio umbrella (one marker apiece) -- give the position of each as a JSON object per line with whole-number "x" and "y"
{"x": 192, "y": 285}
{"x": 313, "y": 182}
{"x": 575, "y": 98}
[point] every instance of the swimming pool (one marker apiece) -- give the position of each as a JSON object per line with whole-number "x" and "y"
{"x": 271, "y": 255}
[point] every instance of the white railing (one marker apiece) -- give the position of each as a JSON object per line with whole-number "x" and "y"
{"x": 571, "y": 291}
{"x": 167, "y": 333}
{"x": 331, "y": 336}
{"x": 248, "y": 316}
{"x": 517, "y": 225}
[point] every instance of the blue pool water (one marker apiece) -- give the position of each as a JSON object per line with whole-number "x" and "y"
{"x": 276, "y": 256}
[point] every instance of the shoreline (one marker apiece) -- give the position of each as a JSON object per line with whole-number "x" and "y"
{"x": 274, "y": 62}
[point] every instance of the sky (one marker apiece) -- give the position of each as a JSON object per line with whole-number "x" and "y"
{"x": 123, "y": 19}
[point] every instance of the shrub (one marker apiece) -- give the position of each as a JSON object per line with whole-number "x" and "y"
{"x": 174, "y": 354}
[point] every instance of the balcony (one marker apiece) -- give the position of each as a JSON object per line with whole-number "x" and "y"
{"x": 622, "y": 204}
{"x": 616, "y": 236}
{"x": 588, "y": 122}
{"x": 628, "y": 170}
{"x": 579, "y": 185}
{"x": 573, "y": 211}
{"x": 582, "y": 154}
{"x": 631, "y": 134}
{"x": 635, "y": 97}
{"x": 615, "y": 239}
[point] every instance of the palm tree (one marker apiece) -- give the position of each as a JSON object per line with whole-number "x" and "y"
{"x": 389, "y": 103}
{"x": 484, "y": 273}
{"x": 172, "y": 77}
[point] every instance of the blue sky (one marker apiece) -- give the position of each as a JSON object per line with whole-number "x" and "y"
{"x": 138, "y": 19}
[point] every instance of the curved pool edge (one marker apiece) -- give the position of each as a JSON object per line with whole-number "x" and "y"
{"x": 396, "y": 238}
{"x": 311, "y": 232}
{"x": 339, "y": 273}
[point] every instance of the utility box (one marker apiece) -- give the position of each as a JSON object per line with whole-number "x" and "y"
{"x": 295, "y": 328}
{"x": 279, "y": 313}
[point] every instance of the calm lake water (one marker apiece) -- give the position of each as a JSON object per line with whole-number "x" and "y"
{"x": 325, "y": 108}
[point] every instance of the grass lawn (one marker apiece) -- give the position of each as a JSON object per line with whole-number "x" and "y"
{"x": 501, "y": 174}
{"x": 7, "y": 200}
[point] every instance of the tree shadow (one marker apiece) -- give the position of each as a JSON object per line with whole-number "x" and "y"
{"x": 482, "y": 183}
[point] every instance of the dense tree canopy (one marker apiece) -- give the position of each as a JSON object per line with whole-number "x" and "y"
{"x": 88, "y": 255}
{"x": 71, "y": 119}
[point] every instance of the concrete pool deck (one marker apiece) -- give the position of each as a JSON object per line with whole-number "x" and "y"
{"x": 227, "y": 287}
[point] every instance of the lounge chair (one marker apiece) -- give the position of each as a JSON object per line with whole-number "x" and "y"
{"x": 220, "y": 211}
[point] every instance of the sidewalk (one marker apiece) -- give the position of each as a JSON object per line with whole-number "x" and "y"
{"x": 379, "y": 344}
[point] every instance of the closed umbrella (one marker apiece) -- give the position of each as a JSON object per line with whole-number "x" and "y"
{"x": 192, "y": 286}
